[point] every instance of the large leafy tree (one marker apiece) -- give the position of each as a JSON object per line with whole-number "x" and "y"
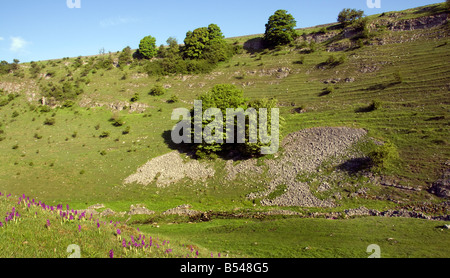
{"x": 224, "y": 96}
{"x": 206, "y": 43}
{"x": 195, "y": 42}
{"x": 147, "y": 47}
{"x": 280, "y": 29}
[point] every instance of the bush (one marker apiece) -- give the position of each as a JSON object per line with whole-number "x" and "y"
{"x": 125, "y": 57}
{"x": 157, "y": 90}
{"x": 50, "y": 121}
{"x": 375, "y": 105}
{"x": 44, "y": 109}
{"x": 68, "y": 104}
{"x": 173, "y": 99}
{"x": 333, "y": 61}
{"x": 15, "y": 114}
{"x": 349, "y": 16}
{"x": 104, "y": 134}
{"x": 328, "y": 90}
{"x": 116, "y": 121}
{"x": 384, "y": 156}
{"x": 126, "y": 131}
{"x": 135, "y": 98}
{"x": 398, "y": 77}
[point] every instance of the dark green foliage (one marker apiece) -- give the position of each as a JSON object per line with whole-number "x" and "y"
{"x": 221, "y": 96}
{"x": 375, "y": 105}
{"x": 7, "y": 99}
{"x": 162, "y": 52}
{"x": 116, "y": 121}
{"x": 35, "y": 69}
{"x": 361, "y": 25}
{"x": 349, "y": 16}
{"x": 384, "y": 156}
{"x": 77, "y": 63}
{"x": 68, "y": 104}
{"x": 195, "y": 42}
{"x": 398, "y": 77}
{"x": 204, "y": 48}
{"x": 126, "y": 131}
{"x": 125, "y": 57}
{"x": 328, "y": 90}
{"x": 50, "y": 121}
{"x": 5, "y": 67}
{"x": 15, "y": 114}
{"x": 207, "y": 43}
{"x": 147, "y": 47}
{"x": 332, "y": 61}
{"x": 135, "y": 98}
{"x": 61, "y": 92}
{"x": 104, "y": 134}
{"x": 173, "y": 99}
{"x": 106, "y": 63}
{"x": 44, "y": 109}
{"x": 157, "y": 90}
{"x": 280, "y": 29}
{"x": 225, "y": 96}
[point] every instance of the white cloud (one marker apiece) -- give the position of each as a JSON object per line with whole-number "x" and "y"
{"x": 17, "y": 44}
{"x": 114, "y": 21}
{"x": 1, "y": 38}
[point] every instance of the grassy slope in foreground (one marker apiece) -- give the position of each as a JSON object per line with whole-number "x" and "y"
{"x": 32, "y": 229}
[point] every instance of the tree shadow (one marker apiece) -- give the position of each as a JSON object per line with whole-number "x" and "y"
{"x": 356, "y": 165}
{"x": 182, "y": 147}
{"x": 189, "y": 149}
{"x": 381, "y": 87}
{"x": 255, "y": 45}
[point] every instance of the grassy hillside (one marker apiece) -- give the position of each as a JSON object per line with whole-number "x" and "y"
{"x": 79, "y": 152}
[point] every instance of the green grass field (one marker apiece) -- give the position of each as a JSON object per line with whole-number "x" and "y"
{"x": 69, "y": 162}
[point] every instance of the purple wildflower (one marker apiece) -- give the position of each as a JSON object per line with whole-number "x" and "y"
{"x": 79, "y": 228}
{"x": 111, "y": 253}
{"x": 124, "y": 243}
{"x": 1, "y": 224}
{"x": 48, "y": 223}
{"x": 118, "y": 231}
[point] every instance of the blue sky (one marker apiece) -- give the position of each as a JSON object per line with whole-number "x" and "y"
{"x": 34, "y": 30}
